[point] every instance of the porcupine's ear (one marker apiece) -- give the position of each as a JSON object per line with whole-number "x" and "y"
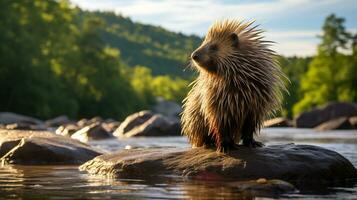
{"x": 235, "y": 39}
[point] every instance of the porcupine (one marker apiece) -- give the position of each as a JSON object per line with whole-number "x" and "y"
{"x": 239, "y": 84}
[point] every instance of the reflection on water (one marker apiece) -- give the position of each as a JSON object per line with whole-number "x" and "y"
{"x": 66, "y": 182}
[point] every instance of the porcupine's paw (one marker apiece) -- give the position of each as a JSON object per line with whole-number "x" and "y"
{"x": 227, "y": 147}
{"x": 252, "y": 143}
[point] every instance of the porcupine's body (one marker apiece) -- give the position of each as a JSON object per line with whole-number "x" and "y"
{"x": 239, "y": 84}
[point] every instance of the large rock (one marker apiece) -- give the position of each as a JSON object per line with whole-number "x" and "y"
{"x": 286, "y": 162}
{"x": 40, "y": 147}
{"x": 157, "y": 125}
{"x": 335, "y": 124}
{"x": 317, "y": 116}
{"x": 11, "y": 118}
{"x": 95, "y": 131}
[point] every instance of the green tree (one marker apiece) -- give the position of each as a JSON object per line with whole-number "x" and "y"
{"x": 29, "y": 33}
{"x": 331, "y": 72}
{"x": 294, "y": 68}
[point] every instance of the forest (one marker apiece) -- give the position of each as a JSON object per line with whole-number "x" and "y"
{"x": 58, "y": 59}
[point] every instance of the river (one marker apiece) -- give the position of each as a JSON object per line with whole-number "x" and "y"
{"x": 66, "y": 182}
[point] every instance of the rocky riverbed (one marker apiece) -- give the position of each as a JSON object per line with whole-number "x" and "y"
{"x": 269, "y": 171}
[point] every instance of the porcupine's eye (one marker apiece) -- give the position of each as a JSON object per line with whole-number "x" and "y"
{"x": 234, "y": 39}
{"x": 213, "y": 48}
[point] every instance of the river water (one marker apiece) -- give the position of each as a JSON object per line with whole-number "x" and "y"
{"x": 66, "y": 182}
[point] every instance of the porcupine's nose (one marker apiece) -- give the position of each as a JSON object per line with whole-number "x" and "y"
{"x": 195, "y": 56}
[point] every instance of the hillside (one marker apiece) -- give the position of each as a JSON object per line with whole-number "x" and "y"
{"x": 164, "y": 52}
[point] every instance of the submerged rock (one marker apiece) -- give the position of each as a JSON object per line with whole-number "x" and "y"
{"x": 41, "y": 147}
{"x": 331, "y": 111}
{"x": 285, "y": 162}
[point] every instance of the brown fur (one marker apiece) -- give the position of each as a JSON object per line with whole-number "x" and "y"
{"x": 238, "y": 86}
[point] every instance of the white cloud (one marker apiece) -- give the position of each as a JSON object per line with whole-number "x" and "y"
{"x": 190, "y": 16}
{"x": 289, "y": 43}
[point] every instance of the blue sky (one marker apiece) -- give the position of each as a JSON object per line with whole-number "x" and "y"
{"x": 293, "y": 24}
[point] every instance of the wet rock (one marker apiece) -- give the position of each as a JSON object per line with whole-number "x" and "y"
{"x": 10, "y": 118}
{"x": 58, "y": 121}
{"x": 286, "y": 162}
{"x": 132, "y": 121}
{"x": 67, "y": 130}
{"x": 331, "y": 111}
{"x": 335, "y": 124}
{"x": 278, "y": 122}
{"x": 95, "y": 131}
{"x": 157, "y": 125}
{"x": 41, "y": 147}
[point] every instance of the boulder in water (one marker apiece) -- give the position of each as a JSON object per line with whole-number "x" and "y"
{"x": 41, "y": 147}
{"x": 331, "y": 111}
{"x": 95, "y": 131}
{"x": 285, "y": 162}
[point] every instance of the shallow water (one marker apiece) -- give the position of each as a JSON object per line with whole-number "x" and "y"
{"x": 66, "y": 182}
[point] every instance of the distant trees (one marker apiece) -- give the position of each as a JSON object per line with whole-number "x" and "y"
{"x": 294, "y": 68}
{"x": 56, "y": 59}
{"x": 164, "y": 52}
{"x": 149, "y": 86}
{"x": 331, "y": 76}
{"x": 33, "y": 40}
{"x": 50, "y": 65}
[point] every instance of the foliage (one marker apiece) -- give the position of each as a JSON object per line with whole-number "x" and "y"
{"x": 331, "y": 75}
{"x": 294, "y": 68}
{"x": 164, "y": 52}
{"x": 57, "y": 59}
{"x": 51, "y": 66}
{"x": 143, "y": 82}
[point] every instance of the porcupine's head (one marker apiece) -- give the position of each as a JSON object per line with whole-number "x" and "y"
{"x": 233, "y": 47}
{"x": 235, "y": 53}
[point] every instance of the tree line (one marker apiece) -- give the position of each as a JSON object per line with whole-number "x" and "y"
{"x": 57, "y": 59}
{"x": 329, "y": 76}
